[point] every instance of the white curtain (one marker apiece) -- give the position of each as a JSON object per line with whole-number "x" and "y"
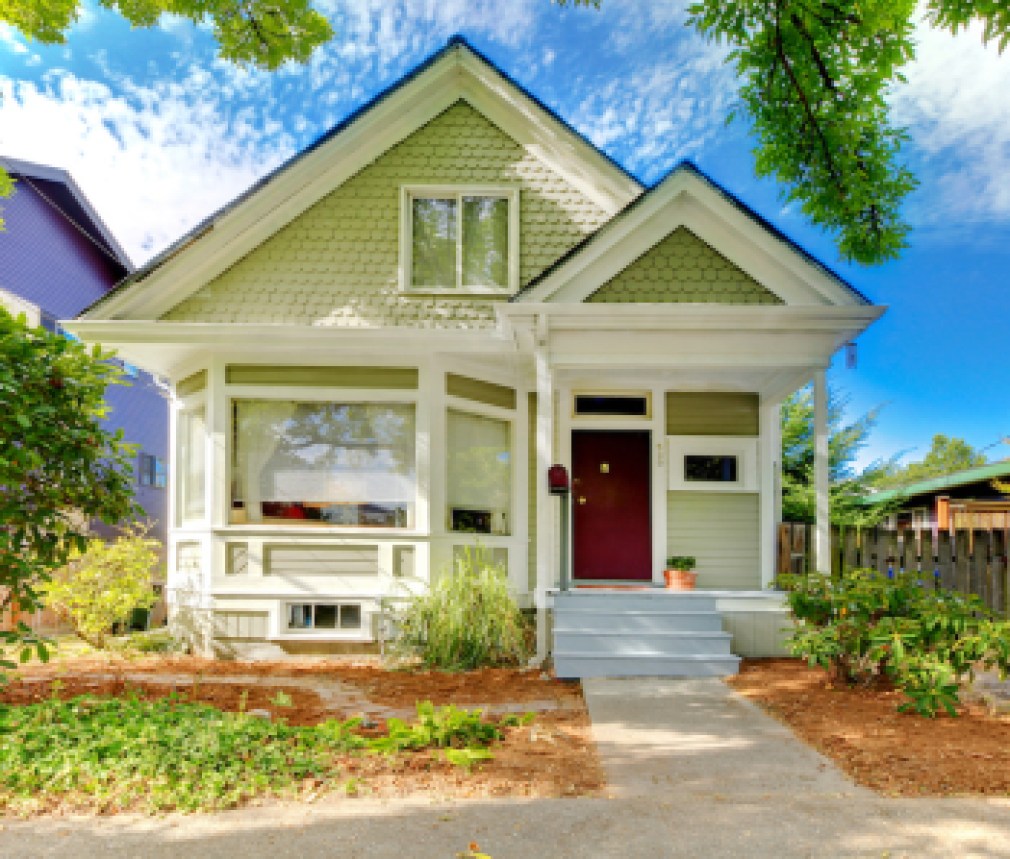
{"x": 479, "y": 453}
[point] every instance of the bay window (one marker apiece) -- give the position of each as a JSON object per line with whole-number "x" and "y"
{"x": 479, "y": 473}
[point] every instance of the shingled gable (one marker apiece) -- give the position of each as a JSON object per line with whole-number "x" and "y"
{"x": 457, "y": 73}
{"x": 688, "y": 200}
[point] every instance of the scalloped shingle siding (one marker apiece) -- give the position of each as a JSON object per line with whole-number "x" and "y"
{"x": 336, "y": 264}
{"x": 682, "y": 268}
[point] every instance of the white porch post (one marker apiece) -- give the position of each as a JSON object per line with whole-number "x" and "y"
{"x": 545, "y": 507}
{"x": 822, "y": 528}
{"x": 771, "y": 487}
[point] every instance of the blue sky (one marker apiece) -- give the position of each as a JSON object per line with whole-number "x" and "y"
{"x": 159, "y": 134}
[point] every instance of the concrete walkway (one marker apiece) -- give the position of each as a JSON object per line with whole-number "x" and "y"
{"x": 696, "y": 771}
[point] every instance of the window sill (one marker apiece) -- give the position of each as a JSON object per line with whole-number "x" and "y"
{"x": 425, "y": 291}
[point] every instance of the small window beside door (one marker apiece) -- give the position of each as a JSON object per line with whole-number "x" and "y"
{"x": 712, "y": 463}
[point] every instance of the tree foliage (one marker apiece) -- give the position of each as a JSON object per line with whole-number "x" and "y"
{"x": 58, "y": 467}
{"x": 815, "y": 76}
{"x": 263, "y": 33}
{"x": 102, "y": 585}
{"x": 946, "y": 456}
{"x": 844, "y": 443}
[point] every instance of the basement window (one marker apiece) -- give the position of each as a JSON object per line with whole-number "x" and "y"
{"x": 323, "y": 617}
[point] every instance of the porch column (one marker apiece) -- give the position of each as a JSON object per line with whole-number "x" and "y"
{"x": 822, "y": 520}
{"x": 545, "y": 503}
{"x": 771, "y": 487}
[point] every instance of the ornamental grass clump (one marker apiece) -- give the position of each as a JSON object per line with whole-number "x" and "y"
{"x": 870, "y": 628}
{"x": 468, "y": 619}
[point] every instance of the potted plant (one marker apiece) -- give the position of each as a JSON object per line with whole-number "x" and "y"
{"x": 680, "y": 573}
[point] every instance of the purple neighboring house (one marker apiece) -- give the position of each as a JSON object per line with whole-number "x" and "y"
{"x": 58, "y": 257}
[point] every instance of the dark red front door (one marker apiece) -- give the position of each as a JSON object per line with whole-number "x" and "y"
{"x": 612, "y": 536}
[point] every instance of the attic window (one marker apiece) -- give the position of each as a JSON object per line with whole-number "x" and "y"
{"x": 460, "y": 239}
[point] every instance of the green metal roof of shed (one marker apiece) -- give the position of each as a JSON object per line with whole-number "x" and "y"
{"x": 991, "y": 471}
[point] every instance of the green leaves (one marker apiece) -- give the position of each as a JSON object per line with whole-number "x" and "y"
{"x": 59, "y": 468}
{"x": 468, "y": 619}
{"x": 866, "y": 627}
{"x": 111, "y": 754}
{"x": 814, "y": 81}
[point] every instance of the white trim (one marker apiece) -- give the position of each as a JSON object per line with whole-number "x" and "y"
{"x": 744, "y": 448}
{"x": 822, "y": 514}
{"x": 408, "y": 193}
{"x": 457, "y": 75}
{"x": 686, "y": 199}
{"x": 770, "y": 465}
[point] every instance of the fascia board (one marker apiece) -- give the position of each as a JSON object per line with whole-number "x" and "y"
{"x": 571, "y": 157}
{"x": 457, "y": 75}
{"x": 304, "y": 183}
{"x": 687, "y": 200}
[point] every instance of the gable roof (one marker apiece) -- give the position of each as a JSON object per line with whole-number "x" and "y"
{"x": 59, "y": 190}
{"x": 654, "y": 211}
{"x": 457, "y": 71}
{"x": 990, "y": 471}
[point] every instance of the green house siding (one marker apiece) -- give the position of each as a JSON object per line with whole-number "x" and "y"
{"x": 480, "y": 392}
{"x": 700, "y": 413}
{"x": 388, "y": 378}
{"x": 338, "y": 263}
{"x": 681, "y": 269}
{"x": 720, "y": 529}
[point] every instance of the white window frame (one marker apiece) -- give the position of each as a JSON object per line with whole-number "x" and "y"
{"x": 316, "y": 632}
{"x": 408, "y": 193}
{"x": 744, "y": 448}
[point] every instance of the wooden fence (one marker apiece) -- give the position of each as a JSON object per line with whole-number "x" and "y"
{"x": 970, "y": 560}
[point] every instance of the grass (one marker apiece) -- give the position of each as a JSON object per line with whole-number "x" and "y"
{"x": 113, "y": 754}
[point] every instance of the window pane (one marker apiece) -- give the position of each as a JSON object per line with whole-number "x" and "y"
{"x": 323, "y": 463}
{"x": 434, "y": 243}
{"x": 719, "y": 469}
{"x": 350, "y": 617}
{"x": 191, "y": 430}
{"x": 485, "y": 241}
{"x": 479, "y": 474}
{"x": 326, "y": 617}
{"x": 300, "y": 617}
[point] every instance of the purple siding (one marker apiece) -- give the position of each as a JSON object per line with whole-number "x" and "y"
{"x": 45, "y": 259}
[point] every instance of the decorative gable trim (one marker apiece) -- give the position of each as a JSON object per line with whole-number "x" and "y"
{"x": 456, "y": 73}
{"x": 682, "y": 269}
{"x": 686, "y": 198}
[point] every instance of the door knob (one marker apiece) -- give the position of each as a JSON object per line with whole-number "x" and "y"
{"x": 582, "y": 499}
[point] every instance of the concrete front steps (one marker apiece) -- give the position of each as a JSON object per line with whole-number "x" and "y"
{"x": 660, "y": 633}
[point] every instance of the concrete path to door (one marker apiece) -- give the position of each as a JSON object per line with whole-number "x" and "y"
{"x": 695, "y": 770}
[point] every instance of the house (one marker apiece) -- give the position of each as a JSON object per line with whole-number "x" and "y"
{"x": 57, "y": 257}
{"x": 378, "y": 351}
{"x": 964, "y": 499}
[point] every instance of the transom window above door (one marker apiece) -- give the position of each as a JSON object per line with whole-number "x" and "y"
{"x": 462, "y": 239}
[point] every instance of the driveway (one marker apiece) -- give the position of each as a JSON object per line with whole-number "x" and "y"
{"x": 695, "y": 771}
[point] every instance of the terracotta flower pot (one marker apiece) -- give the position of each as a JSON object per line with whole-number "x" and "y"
{"x": 680, "y": 580}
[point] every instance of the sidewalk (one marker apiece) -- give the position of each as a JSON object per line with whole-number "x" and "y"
{"x": 696, "y": 771}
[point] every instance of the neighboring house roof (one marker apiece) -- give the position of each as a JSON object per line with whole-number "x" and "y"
{"x": 60, "y": 189}
{"x": 979, "y": 474}
{"x": 634, "y": 211}
{"x": 457, "y": 71}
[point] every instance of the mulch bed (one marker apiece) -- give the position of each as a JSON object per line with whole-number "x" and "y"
{"x": 893, "y": 753}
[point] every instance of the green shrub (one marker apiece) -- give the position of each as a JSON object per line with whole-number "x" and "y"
{"x": 102, "y": 586}
{"x": 868, "y": 627}
{"x": 467, "y": 620}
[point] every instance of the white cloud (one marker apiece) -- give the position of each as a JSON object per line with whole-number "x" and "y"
{"x": 12, "y": 40}
{"x": 152, "y": 160}
{"x": 956, "y": 106}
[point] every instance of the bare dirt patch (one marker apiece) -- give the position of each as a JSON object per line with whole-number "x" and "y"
{"x": 893, "y": 753}
{"x": 552, "y": 756}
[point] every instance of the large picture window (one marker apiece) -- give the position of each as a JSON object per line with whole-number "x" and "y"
{"x": 460, "y": 240}
{"x": 323, "y": 463}
{"x": 479, "y": 489}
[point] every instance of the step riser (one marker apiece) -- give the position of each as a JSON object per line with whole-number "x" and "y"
{"x": 660, "y": 601}
{"x": 643, "y": 624}
{"x": 570, "y": 667}
{"x": 644, "y": 646}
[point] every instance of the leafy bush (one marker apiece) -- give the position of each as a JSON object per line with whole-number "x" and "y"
{"x": 867, "y": 627}
{"x": 101, "y": 586}
{"x": 118, "y": 753}
{"x": 467, "y": 620}
{"x": 681, "y": 562}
